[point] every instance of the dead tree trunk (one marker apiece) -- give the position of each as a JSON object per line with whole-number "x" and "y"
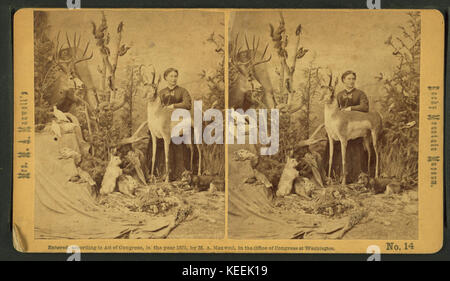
{"x": 108, "y": 71}
{"x": 286, "y": 73}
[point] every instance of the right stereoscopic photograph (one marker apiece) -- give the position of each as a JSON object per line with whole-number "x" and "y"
{"x": 338, "y": 157}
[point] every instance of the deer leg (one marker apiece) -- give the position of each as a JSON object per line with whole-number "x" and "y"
{"x": 375, "y": 148}
{"x": 344, "y": 154}
{"x": 366, "y": 144}
{"x": 330, "y": 160}
{"x": 166, "y": 154}
{"x": 191, "y": 149}
{"x": 199, "y": 172}
{"x": 153, "y": 155}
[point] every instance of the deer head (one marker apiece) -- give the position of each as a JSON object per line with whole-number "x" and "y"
{"x": 68, "y": 57}
{"x": 150, "y": 85}
{"x": 328, "y": 90}
{"x": 244, "y": 62}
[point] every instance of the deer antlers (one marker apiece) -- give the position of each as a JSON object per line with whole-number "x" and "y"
{"x": 330, "y": 86}
{"x": 72, "y": 49}
{"x": 251, "y": 52}
{"x": 75, "y": 48}
{"x": 150, "y": 82}
{"x": 330, "y": 83}
{"x": 153, "y": 73}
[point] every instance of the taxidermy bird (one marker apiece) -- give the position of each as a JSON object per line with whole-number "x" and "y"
{"x": 85, "y": 177}
{"x": 59, "y": 115}
{"x": 56, "y": 129}
{"x": 66, "y": 153}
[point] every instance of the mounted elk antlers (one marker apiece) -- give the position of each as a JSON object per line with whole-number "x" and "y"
{"x": 69, "y": 55}
{"x": 245, "y": 67}
{"x": 251, "y": 73}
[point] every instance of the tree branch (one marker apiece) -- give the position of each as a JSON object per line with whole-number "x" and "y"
{"x": 119, "y": 106}
{"x": 134, "y": 137}
{"x": 312, "y": 140}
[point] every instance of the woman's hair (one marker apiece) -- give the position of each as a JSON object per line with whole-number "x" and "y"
{"x": 347, "y": 73}
{"x": 169, "y": 70}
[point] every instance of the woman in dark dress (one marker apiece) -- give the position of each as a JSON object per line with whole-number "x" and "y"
{"x": 174, "y": 96}
{"x": 352, "y": 99}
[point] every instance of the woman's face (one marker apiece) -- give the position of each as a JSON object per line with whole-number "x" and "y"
{"x": 349, "y": 81}
{"x": 172, "y": 78}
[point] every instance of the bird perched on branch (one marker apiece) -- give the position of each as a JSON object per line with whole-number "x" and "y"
{"x": 298, "y": 31}
{"x": 279, "y": 38}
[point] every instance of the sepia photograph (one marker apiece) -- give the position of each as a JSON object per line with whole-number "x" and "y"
{"x": 106, "y": 85}
{"x": 346, "y": 85}
{"x": 201, "y": 130}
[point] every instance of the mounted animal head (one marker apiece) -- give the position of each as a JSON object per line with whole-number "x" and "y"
{"x": 328, "y": 90}
{"x": 68, "y": 57}
{"x": 247, "y": 77}
{"x": 67, "y": 72}
{"x": 149, "y": 83}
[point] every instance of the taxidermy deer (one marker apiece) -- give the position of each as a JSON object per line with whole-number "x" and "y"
{"x": 348, "y": 125}
{"x": 160, "y": 124}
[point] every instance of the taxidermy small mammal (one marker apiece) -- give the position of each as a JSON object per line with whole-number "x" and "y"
{"x": 380, "y": 185}
{"x": 287, "y": 177}
{"x": 199, "y": 182}
{"x": 113, "y": 171}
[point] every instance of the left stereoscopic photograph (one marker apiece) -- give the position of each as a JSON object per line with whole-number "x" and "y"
{"x": 106, "y": 84}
